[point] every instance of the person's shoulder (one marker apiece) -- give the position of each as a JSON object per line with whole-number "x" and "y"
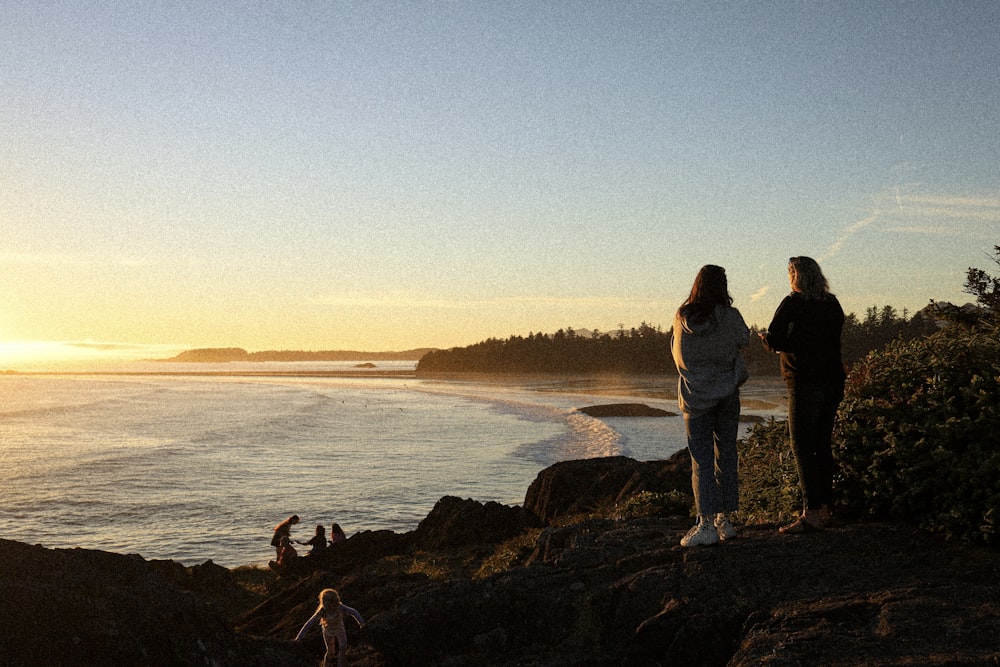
{"x": 731, "y": 312}
{"x": 828, "y": 301}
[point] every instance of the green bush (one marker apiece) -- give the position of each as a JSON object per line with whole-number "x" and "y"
{"x": 769, "y": 483}
{"x": 650, "y": 504}
{"x": 919, "y": 434}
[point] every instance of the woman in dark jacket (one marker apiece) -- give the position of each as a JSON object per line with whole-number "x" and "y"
{"x": 806, "y": 332}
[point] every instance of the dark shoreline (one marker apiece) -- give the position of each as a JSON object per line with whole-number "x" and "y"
{"x": 551, "y": 583}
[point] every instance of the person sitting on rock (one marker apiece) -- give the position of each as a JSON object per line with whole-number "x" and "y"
{"x": 283, "y": 529}
{"x": 317, "y": 542}
{"x": 337, "y": 534}
{"x": 330, "y": 614}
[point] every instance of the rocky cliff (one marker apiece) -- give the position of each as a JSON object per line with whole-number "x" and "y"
{"x": 556, "y": 582}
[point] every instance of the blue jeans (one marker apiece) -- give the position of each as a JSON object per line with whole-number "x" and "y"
{"x": 711, "y": 437}
{"x": 812, "y": 409}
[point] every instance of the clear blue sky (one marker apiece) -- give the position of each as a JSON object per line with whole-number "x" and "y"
{"x": 389, "y": 175}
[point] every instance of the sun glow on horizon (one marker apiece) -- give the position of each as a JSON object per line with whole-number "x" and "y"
{"x": 50, "y": 356}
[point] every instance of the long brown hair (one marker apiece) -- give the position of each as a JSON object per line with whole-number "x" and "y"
{"x": 710, "y": 289}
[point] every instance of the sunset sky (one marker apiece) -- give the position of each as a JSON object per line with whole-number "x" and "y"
{"x": 393, "y": 175}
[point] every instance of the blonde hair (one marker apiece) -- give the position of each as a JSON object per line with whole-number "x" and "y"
{"x": 329, "y": 605}
{"x": 807, "y": 278}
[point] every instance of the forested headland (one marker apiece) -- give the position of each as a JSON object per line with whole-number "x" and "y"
{"x": 646, "y": 349}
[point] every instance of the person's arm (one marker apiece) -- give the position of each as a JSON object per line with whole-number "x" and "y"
{"x": 777, "y": 338}
{"x": 742, "y": 331}
{"x": 308, "y": 626}
{"x": 353, "y": 612}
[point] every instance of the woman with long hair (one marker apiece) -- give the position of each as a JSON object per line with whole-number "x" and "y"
{"x": 330, "y": 614}
{"x": 805, "y": 332}
{"x": 318, "y": 542}
{"x": 708, "y": 338}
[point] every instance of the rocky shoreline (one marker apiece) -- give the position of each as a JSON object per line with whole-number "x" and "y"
{"x": 558, "y": 581}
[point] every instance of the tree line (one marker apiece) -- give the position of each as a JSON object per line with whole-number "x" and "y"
{"x": 646, "y": 349}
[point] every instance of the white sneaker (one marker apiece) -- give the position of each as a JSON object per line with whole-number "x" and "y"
{"x": 723, "y": 527}
{"x": 701, "y": 535}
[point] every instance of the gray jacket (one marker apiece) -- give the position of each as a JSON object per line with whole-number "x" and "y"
{"x": 708, "y": 358}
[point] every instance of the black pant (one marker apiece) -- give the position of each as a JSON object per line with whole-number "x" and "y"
{"x": 812, "y": 409}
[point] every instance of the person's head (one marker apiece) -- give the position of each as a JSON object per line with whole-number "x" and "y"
{"x": 329, "y": 598}
{"x": 293, "y": 519}
{"x": 320, "y": 529}
{"x": 710, "y": 289}
{"x": 806, "y": 278}
{"x": 335, "y": 528}
{"x": 329, "y": 604}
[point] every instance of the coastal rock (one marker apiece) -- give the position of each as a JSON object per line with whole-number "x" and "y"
{"x": 625, "y": 410}
{"x": 627, "y": 594}
{"x": 582, "y": 590}
{"x": 81, "y": 607}
{"x": 454, "y": 522}
{"x": 366, "y": 546}
{"x": 592, "y": 485}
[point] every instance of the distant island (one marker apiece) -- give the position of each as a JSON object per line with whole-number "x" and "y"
{"x": 218, "y": 355}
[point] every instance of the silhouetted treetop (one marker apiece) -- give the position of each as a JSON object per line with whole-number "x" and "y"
{"x": 646, "y": 349}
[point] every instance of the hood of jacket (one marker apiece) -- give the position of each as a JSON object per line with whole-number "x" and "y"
{"x": 697, "y": 327}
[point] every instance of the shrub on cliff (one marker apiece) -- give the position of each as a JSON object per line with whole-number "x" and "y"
{"x": 769, "y": 484}
{"x": 919, "y": 434}
{"x": 654, "y": 504}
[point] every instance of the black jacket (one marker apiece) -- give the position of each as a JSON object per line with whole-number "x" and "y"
{"x": 806, "y": 333}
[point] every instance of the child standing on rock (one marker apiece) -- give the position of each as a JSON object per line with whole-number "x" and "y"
{"x": 330, "y": 614}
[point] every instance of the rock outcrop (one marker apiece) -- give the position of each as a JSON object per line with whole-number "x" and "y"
{"x": 576, "y": 589}
{"x": 81, "y": 607}
{"x": 596, "y": 485}
{"x": 625, "y": 410}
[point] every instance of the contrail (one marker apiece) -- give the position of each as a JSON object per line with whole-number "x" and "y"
{"x": 845, "y": 236}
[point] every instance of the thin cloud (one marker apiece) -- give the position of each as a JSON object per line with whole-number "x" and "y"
{"x": 966, "y": 208}
{"x": 895, "y": 212}
{"x": 852, "y": 230}
{"x": 760, "y": 294}
{"x": 40, "y": 259}
{"x": 960, "y": 202}
{"x": 913, "y": 229}
{"x": 42, "y": 351}
{"x": 66, "y": 259}
{"x": 138, "y": 348}
{"x": 411, "y": 301}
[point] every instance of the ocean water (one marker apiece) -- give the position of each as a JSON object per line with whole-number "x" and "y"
{"x": 195, "y": 467}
